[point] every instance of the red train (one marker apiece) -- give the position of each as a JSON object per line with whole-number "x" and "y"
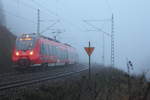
{"x": 32, "y": 49}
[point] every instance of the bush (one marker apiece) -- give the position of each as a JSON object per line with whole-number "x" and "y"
{"x": 7, "y": 40}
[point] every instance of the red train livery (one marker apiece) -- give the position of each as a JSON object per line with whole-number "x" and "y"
{"x": 32, "y": 49}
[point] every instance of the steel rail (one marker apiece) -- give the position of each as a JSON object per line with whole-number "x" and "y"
{"x": 37, "y": 80}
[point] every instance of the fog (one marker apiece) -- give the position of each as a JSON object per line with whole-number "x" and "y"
{"x": 2, "y": 16}
{"x": 131, "y": 26}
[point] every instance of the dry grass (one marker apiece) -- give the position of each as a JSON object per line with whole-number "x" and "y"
{"x": 7, "y": 40}
{"x": 107, "y": 84}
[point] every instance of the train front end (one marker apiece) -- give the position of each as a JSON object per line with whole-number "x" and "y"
{"x": 25, "y": 51}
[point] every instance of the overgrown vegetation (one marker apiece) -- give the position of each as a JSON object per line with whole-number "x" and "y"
{"x": 7, "y": 40}
{"x": 106, "y": 84}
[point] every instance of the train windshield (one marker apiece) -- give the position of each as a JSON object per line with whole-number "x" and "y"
{"x": 25, "y": 43}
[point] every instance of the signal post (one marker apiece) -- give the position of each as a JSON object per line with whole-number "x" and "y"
{"x": 89, "y": 51}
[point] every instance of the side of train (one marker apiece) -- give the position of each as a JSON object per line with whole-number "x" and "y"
{"x": 31, "y": 49}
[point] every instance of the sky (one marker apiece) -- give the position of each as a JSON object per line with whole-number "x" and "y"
{"x": 131, "y": 26}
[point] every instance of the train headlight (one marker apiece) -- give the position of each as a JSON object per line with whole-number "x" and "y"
{"x": 31, "y": 53}
{"x": 17, "y": 53}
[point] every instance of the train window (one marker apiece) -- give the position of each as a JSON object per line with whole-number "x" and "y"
{"x": 61, "y": 54}
{"x": 54, "y": 50}
{"x": 58, "y": 53}
{"x": 46, "y": 49}
{"x": 42, "y": 49}
{"x": 24, "y": 44}
{"x": 53, "y": 53}
{"x": 49, "y": 50}
{"x": 65, "y": 54}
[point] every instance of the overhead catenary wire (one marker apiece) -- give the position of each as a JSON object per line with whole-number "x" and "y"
{"x": 98, "y": 20}
{"x": 46, "y": 9}
{"x": 17, "y": 16}
{"x": 49, "y": 11}
{"x": 24, "y": 4}
{"x": 33, "y": 8}
{"x": 49, "y": 27}
{"x": 56, "y": 15}
{"x": 53, "y": 13}
{"x": 49, "y": 20}
{"x": 99, "y": 29}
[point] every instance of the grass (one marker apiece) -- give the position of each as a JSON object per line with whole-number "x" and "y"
{"x": 107, "y": 84}
{"x": 7, "y": 40}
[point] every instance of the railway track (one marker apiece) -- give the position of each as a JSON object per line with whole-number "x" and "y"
{"x": 41, "y": 78}
{"x": 15, "y": 72}
{"x": 18, "y": 75}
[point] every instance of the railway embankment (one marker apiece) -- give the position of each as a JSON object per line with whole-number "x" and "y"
{"x": 106, "y": 83}
{"x": 7, "y": 40}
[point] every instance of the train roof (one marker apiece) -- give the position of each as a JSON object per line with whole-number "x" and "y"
{"x": 66, "y": 44}
{"x": 41, "y": 36}
{"x": 56, "y": 41}
{"x": 50, "y": 39}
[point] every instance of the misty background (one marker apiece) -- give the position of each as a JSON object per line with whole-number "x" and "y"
{"x": 65, "y": 19}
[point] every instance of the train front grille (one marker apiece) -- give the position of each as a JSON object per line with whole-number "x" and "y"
{"x": 24, "y": 62}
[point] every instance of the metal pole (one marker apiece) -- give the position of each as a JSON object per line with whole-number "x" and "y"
{"x": 112, "y": 44}
{"x": 103, "y": 55}
{"x": 129, "y": 82}
{"x": 38, "y": 22}
{"x": 89, "y": 63}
